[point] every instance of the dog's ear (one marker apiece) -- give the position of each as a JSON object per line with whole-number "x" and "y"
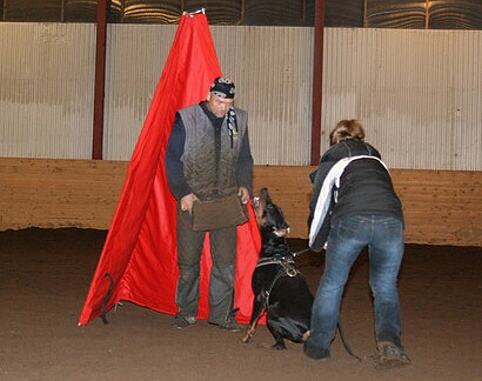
{"x": 259, "y": 203}
{"x": 264, "y": 193}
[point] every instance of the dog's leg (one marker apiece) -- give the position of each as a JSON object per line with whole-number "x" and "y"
{"x": 258, "y": 308}
{"x": 279, "y": 345}
{"x": 279, "y": 341}
{"x": 248, "y": 336}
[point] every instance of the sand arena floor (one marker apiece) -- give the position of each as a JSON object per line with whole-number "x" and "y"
{"x": 45, "y": 275}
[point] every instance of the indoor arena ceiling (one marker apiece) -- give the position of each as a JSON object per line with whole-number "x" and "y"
{"x": 408, "y": 14}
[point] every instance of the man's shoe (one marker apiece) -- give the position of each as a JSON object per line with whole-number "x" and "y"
{"x": 230, "y": 324}
{"x": 181, "y": 322}
{"x": 316, "y": 353}
{"x": 390, "y": 356}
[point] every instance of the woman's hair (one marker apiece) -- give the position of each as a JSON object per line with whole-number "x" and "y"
{"x": 347, "y": 129}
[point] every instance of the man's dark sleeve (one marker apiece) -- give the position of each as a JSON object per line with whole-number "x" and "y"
{"x": 245, "y": 165}
{"x": 172, "y": 160}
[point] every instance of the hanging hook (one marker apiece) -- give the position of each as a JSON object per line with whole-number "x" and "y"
{"x": 202, "y": 10}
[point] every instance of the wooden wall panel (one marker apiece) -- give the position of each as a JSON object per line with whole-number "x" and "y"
{"x": 59, "y": 193}
{"x": 441, "y": 207}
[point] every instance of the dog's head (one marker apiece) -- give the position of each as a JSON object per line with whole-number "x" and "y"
{"x": 269, "y": 216}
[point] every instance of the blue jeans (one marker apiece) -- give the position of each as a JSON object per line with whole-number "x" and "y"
{"x": 384, "y": 237}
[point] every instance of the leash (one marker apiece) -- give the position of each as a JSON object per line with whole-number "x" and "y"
{"x": 300, "y": 252}
{"x": 345, "y": 342}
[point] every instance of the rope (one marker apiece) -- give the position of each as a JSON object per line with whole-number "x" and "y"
{"x": 103, "y": 314}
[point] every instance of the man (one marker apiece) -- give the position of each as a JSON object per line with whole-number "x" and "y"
{"x": 208, "y": 157}
{"x": 366, "y": 212}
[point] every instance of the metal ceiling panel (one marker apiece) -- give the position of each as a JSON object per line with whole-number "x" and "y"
{"x": 405, "y": 14}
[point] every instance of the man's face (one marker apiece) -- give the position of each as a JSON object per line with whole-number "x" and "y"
{"x": 219, "y": 106}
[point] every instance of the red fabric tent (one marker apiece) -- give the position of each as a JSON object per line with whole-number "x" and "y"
{"x": 139, "y": 253}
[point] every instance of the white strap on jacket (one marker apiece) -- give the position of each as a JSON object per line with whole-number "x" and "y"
{"x": 324, "y": 198}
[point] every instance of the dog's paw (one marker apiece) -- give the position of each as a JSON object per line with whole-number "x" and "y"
{"x": 280, "y": 346}
{"x": 306, "y": 335}
{"x": 246, "y": 338}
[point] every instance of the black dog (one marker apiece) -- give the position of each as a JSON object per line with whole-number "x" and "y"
{"x": 278, "y": 286}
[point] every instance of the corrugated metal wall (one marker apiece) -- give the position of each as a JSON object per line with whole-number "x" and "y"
{"x": 135, "y": 59}
{"x": 276, "y": 90}
{"x": 46, "y": 90}
{"x": 273, "y": 67}
{"x": 417, "y": 92}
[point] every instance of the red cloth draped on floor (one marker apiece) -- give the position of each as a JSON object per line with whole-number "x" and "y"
{"x": 140, "y": 249}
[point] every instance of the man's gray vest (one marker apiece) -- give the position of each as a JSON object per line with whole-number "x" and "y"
{"x": 202, "y": 173}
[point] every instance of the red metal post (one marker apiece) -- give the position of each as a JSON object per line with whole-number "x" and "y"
{"x": 317, "y": 82}
{"x": 99, "y": 84}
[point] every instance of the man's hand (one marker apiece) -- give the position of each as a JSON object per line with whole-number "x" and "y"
{"x": 243, "y": 193}
{"x": 187, "y": 202}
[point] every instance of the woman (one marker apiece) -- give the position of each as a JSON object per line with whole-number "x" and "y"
{"x": 366, "y": 212}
